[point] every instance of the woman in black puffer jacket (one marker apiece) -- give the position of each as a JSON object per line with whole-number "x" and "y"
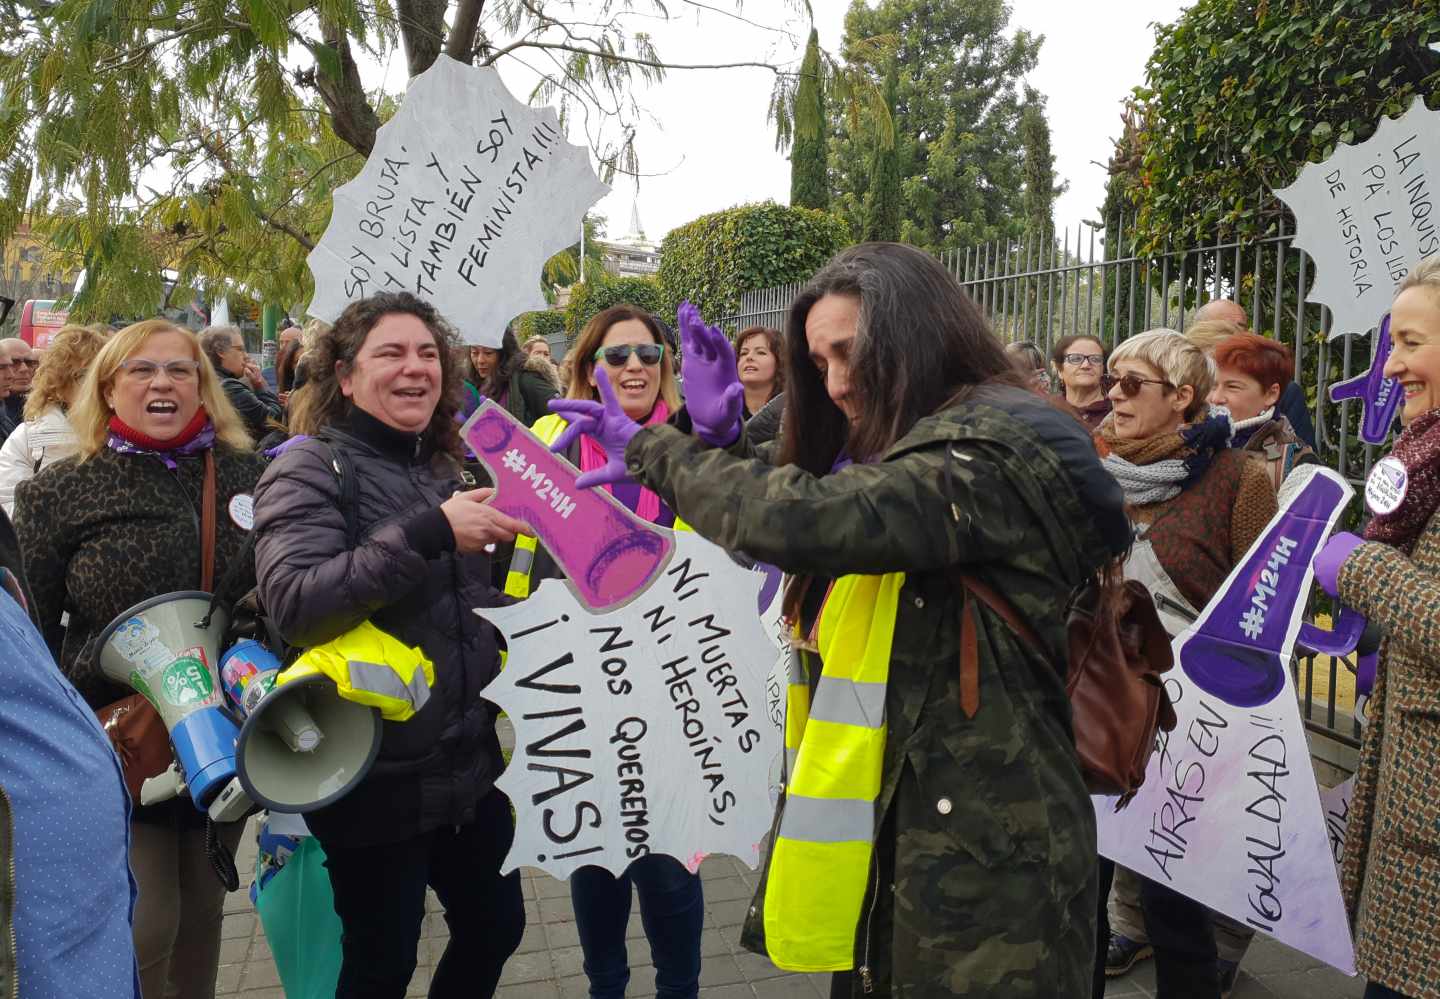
{"x": 428, "y": 812}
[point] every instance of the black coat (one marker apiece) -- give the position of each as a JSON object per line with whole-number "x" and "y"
{"x": 257, "y": 407}
{"x": 405, "y": 577}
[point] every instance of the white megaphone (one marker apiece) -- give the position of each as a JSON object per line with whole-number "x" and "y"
{"x": 302, "y": 746}
{"x": 166, "y": 649}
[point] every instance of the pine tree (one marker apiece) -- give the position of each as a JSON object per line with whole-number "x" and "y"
{"x": 1040, "y": 191}
{"x": 809, "y": 172}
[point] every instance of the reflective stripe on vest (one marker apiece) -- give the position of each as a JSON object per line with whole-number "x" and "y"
{"x": 371, "y": 667}
{"x": 820, "y": 866}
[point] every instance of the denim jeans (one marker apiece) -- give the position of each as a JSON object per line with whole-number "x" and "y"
{"x": 380, "y": 899}
{"x": 672, "y": 910}
{"x": 1184, "y": 940}
{"x": 1374, "y": 990}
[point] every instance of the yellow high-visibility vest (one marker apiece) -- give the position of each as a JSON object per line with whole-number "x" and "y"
{"x": 371, "y": 667}
{"x": 517, "y": 579}
{"x": 834, "y": 750}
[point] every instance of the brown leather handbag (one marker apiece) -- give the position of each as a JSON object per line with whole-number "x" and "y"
{"x": 136, "y": 731}
{"x": 1116, "y": 655}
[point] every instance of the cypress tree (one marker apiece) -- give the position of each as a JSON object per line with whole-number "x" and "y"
{"x": 809, "y": 173}
{"x": 882, "y": 201}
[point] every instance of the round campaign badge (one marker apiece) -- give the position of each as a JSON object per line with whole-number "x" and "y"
{"x": 1385, "y": 488}
{"x": 242, "y": 510}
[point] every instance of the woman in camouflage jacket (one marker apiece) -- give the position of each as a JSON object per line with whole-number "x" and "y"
{"x": 983, "y": 869}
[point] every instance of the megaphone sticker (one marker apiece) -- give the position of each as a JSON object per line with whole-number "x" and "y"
{"x": 187, "y": 680}
{"x": 139, "y": 643}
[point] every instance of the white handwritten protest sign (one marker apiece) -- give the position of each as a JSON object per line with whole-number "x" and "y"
{"x": 466, "y": 195}
{"x": 1368, "y": 214}
{"x": 1336, "y": 802}
{"x": 1230, "y": 811}
{"x": 643, "y": 729}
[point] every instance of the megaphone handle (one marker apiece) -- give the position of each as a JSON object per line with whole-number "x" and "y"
{"x": 162, "y": 787}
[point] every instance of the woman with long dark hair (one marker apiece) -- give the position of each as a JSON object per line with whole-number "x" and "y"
{"x": 935, "y": 837}
{"x": 521, "y": 382}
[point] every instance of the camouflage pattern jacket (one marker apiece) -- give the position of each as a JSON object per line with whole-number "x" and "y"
{"x": 984, "y": 870}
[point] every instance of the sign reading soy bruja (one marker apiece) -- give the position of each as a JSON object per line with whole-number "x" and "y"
{"x": 1368, "y": 214}
{"x": 1230, "y": 812}
{"x": 466, "y": 195}
{"x": 637, "y": 687}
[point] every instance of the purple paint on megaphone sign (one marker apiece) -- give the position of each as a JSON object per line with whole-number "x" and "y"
{"x": 609, "y": 554}
{"x": 1238, "y": 649}
{"x": 1380, "y": 396}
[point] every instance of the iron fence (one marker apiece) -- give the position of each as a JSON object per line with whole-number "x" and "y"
{"x": 1092, "y": 281}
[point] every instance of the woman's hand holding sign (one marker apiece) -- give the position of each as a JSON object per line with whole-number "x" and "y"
{"x": 475, "y": 523}
{"x": 604, "y": 421}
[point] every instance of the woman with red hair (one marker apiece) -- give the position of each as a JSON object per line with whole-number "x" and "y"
{"x": 1251, "y": 373}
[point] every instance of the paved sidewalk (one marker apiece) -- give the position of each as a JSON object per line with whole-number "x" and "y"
{"x": 548, "y": 964}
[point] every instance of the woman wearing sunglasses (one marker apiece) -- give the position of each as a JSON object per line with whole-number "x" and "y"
{"x": 1080, "y": 361}
{"x": 628, "y": 345}
{"x": 1197, "y": 505}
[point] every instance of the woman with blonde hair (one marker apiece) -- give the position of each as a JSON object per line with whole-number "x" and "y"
{"x": 46, "y": 436}
{"x": 628, "y": 344}
{"x": 120, "y": 522}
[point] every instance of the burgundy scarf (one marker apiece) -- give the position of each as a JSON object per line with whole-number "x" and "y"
{"x": 1418, "y": 449}
{"x": 198, "y": 435}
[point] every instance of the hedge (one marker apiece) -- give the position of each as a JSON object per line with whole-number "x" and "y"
{"x": 548, "y": 323}
{"x": 597, "y": 295}
{"x": 715, "y": 259}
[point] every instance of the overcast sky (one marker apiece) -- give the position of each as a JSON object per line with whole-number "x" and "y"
{"x": 706, "y": 144}
{"x": 717, "y": 150}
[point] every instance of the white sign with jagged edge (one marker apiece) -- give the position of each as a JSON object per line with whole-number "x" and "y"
{"x": 652, "y": 727}
{"x": 1367, "y": 215}
{"x": 465, "y": 196}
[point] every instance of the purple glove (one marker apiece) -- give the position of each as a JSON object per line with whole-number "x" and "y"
{"x": 606, "y": 422}
{"x": 1331, "y": 557}
{"x": 714, "y": 397}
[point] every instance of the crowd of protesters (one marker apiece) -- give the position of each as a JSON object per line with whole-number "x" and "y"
{"x": 882, "y": 446}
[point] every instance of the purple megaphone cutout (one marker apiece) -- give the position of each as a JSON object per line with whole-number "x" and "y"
{"x": 1380, "y": 396}
{"x": 1238, "y": 649}
{"x": 609, "y": 554}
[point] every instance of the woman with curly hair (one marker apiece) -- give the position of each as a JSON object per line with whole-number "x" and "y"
{"x": 401, "y": 547}
{"x": 46, "y": 435}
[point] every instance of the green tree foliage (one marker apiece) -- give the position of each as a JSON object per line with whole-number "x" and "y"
{"x": 602, "y": 290}
{"x": 211, "y": 134}
{"x": 1239, "y": 95}
{"x": 546, "y": 324}
{"x": 809, "y": 173}
{"x": 957, "y": 112}
{"x": 715, "y": 259}
{"x": 882, "y": 201}
{"x": 1039, "y": 171}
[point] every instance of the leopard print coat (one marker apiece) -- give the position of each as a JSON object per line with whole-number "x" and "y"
{"x": 100, "y": 536}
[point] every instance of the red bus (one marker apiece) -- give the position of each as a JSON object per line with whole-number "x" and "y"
{"x": 39, "y": 321}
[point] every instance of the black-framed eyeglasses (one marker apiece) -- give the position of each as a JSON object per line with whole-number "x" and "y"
{"x": 1080, "y": 359}
{"x": 619, "y": 355}
{"x": 1130, "y": 385}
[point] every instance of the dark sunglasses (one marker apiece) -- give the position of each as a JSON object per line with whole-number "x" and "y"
{"x": 1130, "y": 385}
{"x": 617, "y": 356}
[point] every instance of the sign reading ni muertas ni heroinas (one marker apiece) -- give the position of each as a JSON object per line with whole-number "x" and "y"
{"x": 643, "y": 729}
{"x": 1230, "y": 812}
{"x": 465, "y": 196}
